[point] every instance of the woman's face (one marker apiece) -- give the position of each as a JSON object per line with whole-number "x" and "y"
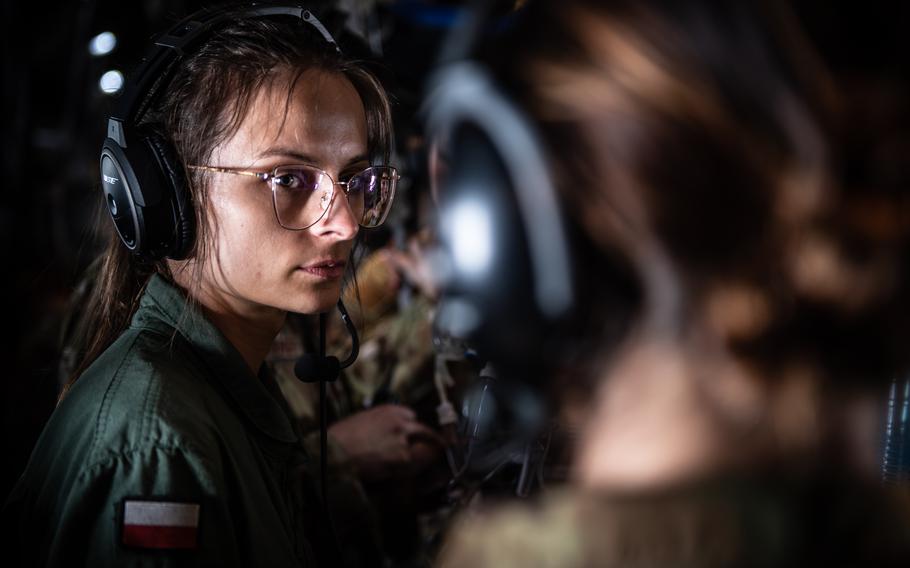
{"x": 255, "y": 264}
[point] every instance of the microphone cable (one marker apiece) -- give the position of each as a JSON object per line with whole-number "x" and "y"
{"x": 324, "y": 369}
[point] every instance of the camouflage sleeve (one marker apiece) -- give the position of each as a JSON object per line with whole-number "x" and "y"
{"x": 514, "y": 536}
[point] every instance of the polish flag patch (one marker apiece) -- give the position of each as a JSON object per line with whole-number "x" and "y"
{"x": 160, "y": 524}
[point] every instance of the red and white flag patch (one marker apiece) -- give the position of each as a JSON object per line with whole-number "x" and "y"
{"x": 160, "y": 524}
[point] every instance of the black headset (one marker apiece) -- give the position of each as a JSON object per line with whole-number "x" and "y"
{"x": 506, "y": 269}
{"x": 143, "y": 181}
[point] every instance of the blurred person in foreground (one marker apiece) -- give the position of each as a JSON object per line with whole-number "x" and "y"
{"x": 698, "y": 150}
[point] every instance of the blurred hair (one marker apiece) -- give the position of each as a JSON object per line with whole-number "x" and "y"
{"x": 710, "y": 130}
{"x": 204, "y": 104}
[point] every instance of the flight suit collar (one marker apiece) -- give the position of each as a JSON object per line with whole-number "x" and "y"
{"x": 163, "y": 303}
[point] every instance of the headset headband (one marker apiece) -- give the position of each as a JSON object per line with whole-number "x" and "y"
{"x": 171, "y": 46}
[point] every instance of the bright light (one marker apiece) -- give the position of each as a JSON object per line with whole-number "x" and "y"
{"x": 102, "y": 44}
{"x": 457, "y": 318}
{"x": 111, "y": 81}
{"x": 471, "y": 236}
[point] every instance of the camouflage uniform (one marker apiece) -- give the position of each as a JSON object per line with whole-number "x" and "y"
{"x": 729, "y": 523}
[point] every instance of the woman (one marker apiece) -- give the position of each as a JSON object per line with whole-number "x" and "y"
{"x": 697, "y": 149}
{"x": 173, "y": 445}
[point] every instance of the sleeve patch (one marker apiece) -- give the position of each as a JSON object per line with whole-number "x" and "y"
{"x": 160, "y": 524}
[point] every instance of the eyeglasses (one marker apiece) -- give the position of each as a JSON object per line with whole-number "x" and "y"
{"x": 302, "y": 194}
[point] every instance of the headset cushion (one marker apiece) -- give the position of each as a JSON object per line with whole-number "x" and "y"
{"x": 176, "y": 192}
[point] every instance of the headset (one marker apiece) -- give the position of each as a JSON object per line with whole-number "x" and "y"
{"x": 143, "y": 181}
{"x": 505, "y": 262}
{"x": 507, "y": 281}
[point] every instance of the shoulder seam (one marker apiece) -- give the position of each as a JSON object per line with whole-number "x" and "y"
{"x": 101, "y": 422}
{"x": 112, "y": 458}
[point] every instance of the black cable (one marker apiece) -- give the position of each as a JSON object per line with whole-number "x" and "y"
{"x": 324, "y": 440}
{"x": 324, "y": 369}
{"x": 323, "y": 423}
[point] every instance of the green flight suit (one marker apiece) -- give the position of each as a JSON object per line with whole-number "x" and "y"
{"x": 170, "y": 413}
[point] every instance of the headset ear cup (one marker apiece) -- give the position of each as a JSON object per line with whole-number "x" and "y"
{"x": 177, "y": 193}
{"x": 510, "y": 278}
{"x": 119, "y": 182}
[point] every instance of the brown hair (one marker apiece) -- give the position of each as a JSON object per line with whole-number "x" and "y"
{"x": 710, "y": 132}
{"x": 205, "y": 103}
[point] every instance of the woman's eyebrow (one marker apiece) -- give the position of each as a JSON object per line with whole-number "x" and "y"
{"x": 357, "y": 159}
{"x": 307, "y": 159}
{"x": 287, "y": 152}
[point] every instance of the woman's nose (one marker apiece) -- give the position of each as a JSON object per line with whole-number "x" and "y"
{"x": 339, "y": 219}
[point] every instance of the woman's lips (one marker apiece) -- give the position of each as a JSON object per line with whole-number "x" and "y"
{"x": 328, "y": 269}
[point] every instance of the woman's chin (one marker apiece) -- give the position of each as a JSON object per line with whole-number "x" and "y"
{"x": 318, "y": 302}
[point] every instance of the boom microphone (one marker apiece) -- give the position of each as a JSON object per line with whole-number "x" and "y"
{"x": 312, "y": 368}
{"x": 315, "y": 368}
